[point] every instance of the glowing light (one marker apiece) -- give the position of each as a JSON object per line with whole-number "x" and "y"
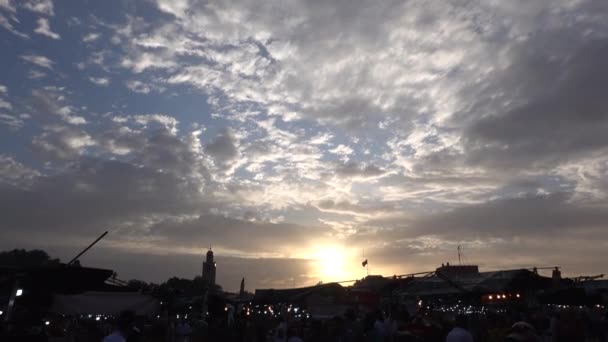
{"x": 97, "y": 318}
{"x": 1, "y": 312}
{"x": 517, "y": 295}
{"x": 331, "y": 263}
{"x": 491, "y": 297}
{"x": 19, "y": 293}
{"x": 47, "y": 323}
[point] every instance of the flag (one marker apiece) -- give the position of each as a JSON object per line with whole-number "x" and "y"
{"x": 364, "y": 263}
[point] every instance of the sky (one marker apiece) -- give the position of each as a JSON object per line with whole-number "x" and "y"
{"x": 298, "y": 138}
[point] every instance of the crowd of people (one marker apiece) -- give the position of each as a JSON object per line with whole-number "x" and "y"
{"x": 567, "y": 325}
{"x": 546, "y": 324}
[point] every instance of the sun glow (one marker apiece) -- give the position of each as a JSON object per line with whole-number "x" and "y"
{"x": 333, "y": 264}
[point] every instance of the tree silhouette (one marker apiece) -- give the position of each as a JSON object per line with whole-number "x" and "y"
{"x": 24, "y": 259}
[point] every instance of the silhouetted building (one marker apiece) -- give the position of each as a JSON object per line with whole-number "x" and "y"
{"x": 458, "y": 271}
{"x": 209, "y": 267}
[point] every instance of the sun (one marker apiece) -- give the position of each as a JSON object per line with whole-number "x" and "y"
{"x": 331, "y": 263}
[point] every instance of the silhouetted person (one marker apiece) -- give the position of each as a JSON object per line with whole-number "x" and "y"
{"x": 522, "y": 332}
{"x": 183, "y": 330}
{"x": 124, "y": 328}
{"x": 459, "y": 333}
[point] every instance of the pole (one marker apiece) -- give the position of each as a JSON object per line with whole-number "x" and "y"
{"x": 459, "y": 262}
{"x": 86, "y": 249}
{"x": 12, "y": 299}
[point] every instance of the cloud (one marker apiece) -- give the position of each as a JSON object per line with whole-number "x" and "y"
{"x": 11, "y": 121}
{"x": 8, "y": 5}
{"x": 143, "y": 87}
{"x": 223, "y": 148}
{"x": 7, "y": 20}
{"x": 51, "y": 100}
{"x": 62, "y": 142}
{"x": 227, "y": 233}
{"x": 15, "y": 173}
{"x": 4, "y": 104}
{"x": 286, "y": 64}
{"x": 39, "y": 6}
{"x": 138, "y": 87}
{"x": 100, "y": 81}
{"x": 35, "y": 74}
{"x": 354, "y": 169}
{"x": 45, "y": 29}
{"x": 562, "y": 121}
{"x": 100, "y": 195}
{"x": 40, "y": 61}
{"x": 169, "y": 122}
{"x": 531, "y": 216}
{"x": 406, "y": 128}
{"x": 91, "y": 37}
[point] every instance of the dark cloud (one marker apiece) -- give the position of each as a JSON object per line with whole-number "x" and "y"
{"x": 165, "y": 151}
{"x": 236, "y": 234}
{"x": 91, "y": 196}
{"x": 560, "y": 115}
{"x": 530, "y": 216}
{"x": 355, "y": 169}
{"x": 223, "y": 148}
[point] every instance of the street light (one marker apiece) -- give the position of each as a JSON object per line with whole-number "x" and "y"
{"x": 19, "y": 292}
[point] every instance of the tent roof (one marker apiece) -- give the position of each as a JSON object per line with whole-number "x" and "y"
{"x": 291, "y": 295}
{"x": 58, "y": 278}
{"x": 104, "y": 303}
{"x": 482, "y": 282}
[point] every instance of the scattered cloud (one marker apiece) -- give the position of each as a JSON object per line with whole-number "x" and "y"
{"x": 100, "y": 81}
{"x": 11, "y": 121}
{"x": 52, "y": 101}
{"x": 62, "y": 142}
{"x": 91, "y": 37}
{"x": 144, "y": 87}
{"x": 39, "y": 6}
{"x": 40, "y": 61}
{"x": 14, "y": 173}
{"x": 44, "y": 29}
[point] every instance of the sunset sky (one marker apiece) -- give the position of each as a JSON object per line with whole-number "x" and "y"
{"x": 299, "y": 137}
